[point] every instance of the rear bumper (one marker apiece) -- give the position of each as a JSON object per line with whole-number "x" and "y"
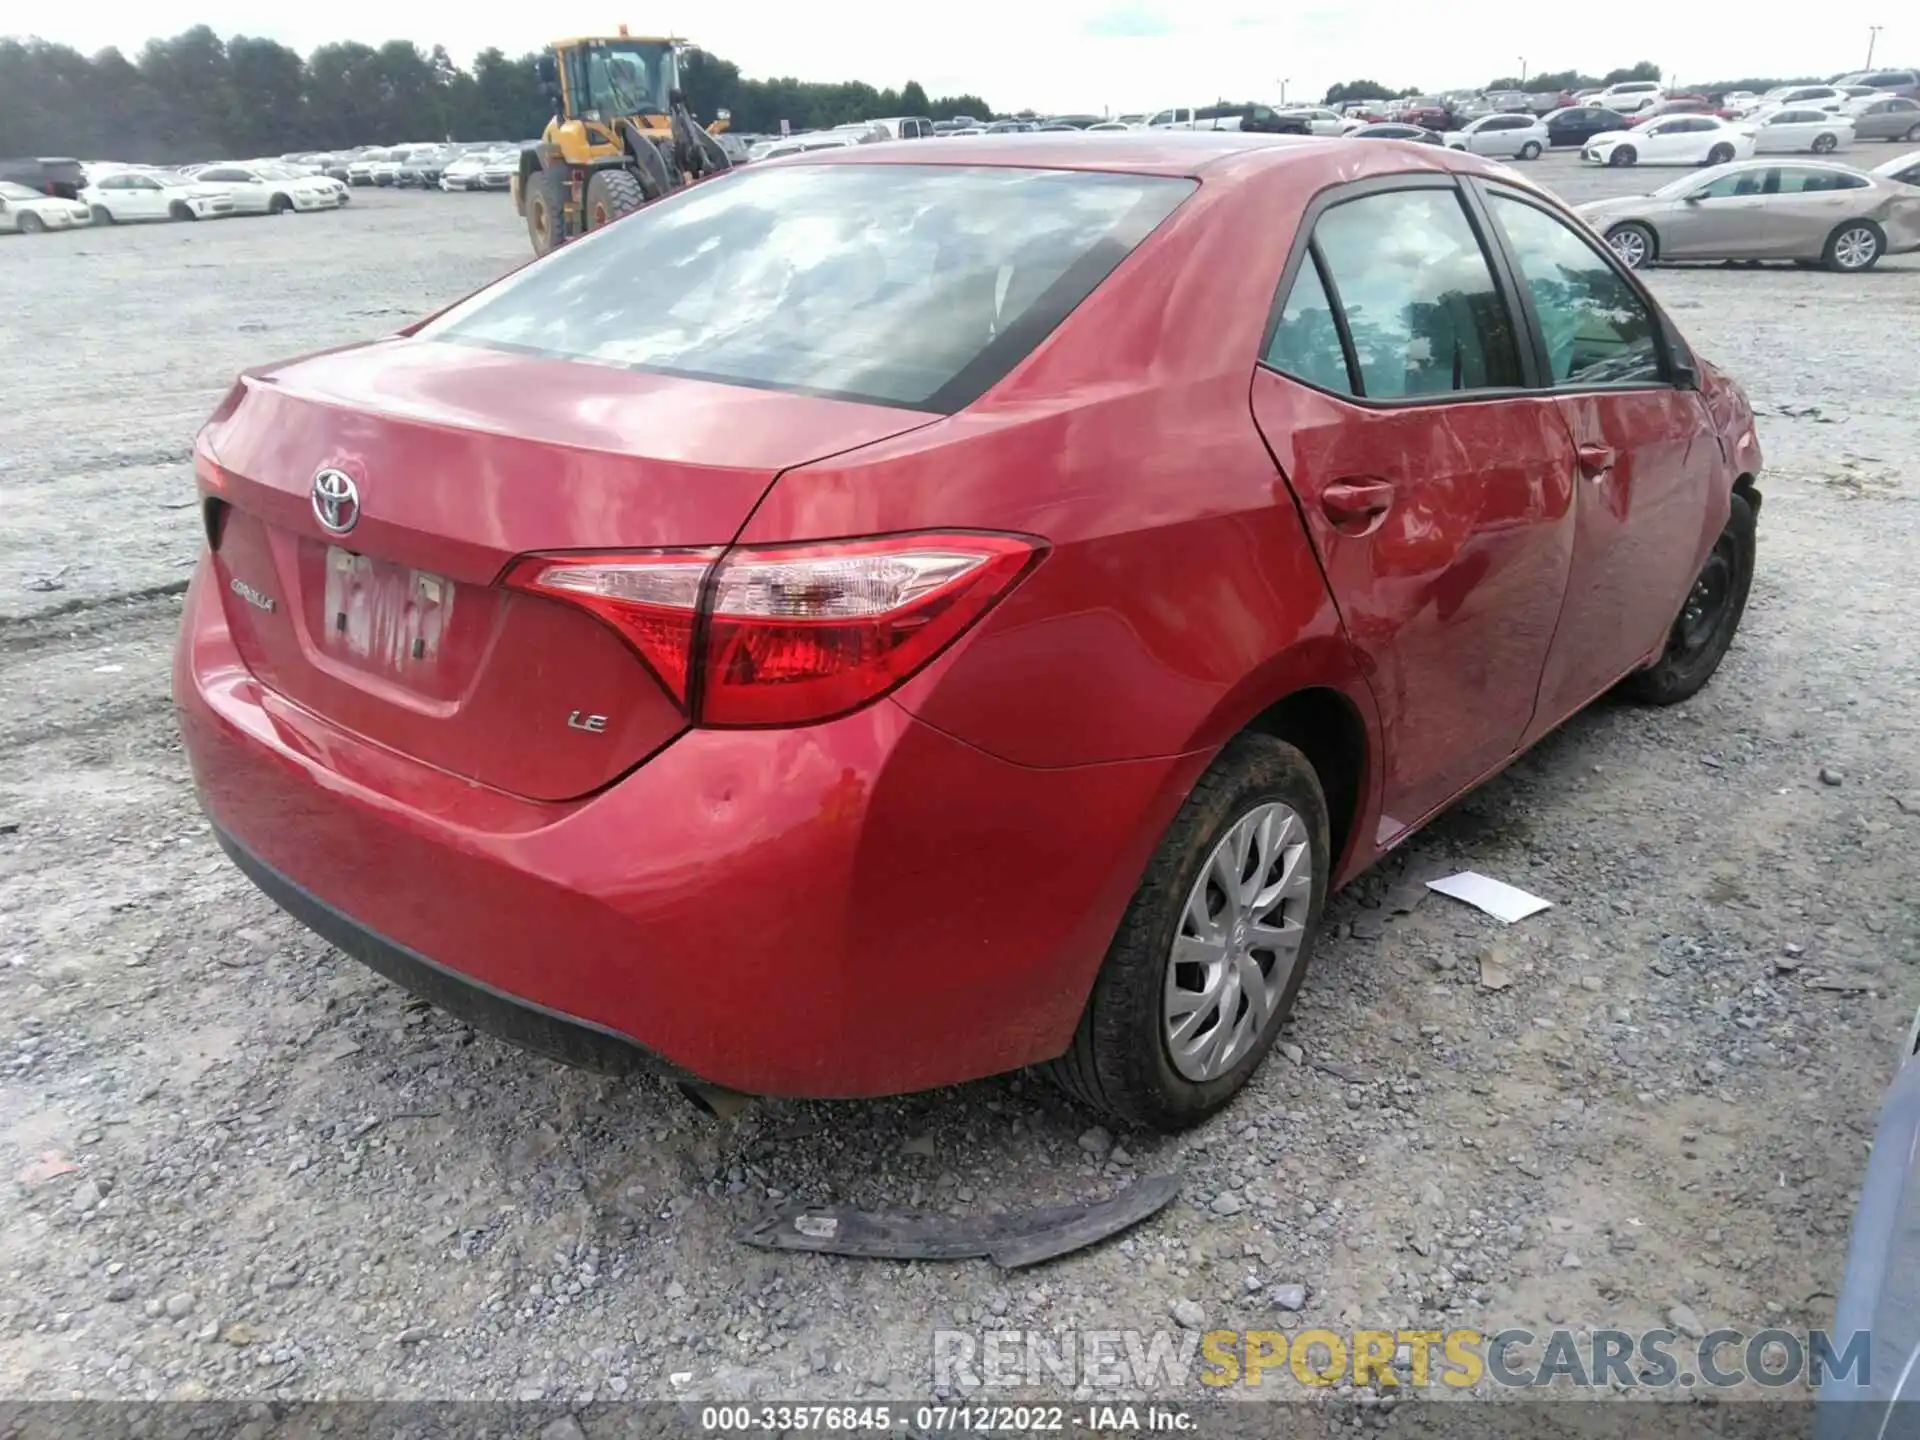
{"x": 857, "y": 908}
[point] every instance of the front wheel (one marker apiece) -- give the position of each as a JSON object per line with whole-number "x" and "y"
{"x": 1913, "y": 135}
{"x": 1824, "y": 144}
{"x": 544, "y": 193}
{"x": 279, "y": 205}
{"x": 1530, "y": 150}
{"x": 1212, "y": 951}
{"x": 1623, "y": 155}
{"x": 31, "y": 224}
{"x": 611, "y": 194}
{"x": 1854, "y": 247}
{"x": 1708, "y": 618}
{"x": 1720, "y": 155}
{"x": 1633, "y": 243}
{"x": 102, "y": 215}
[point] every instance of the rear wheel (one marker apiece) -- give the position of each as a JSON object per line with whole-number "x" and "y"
{"x": 1530, "y": 150}
{"x": 1824, "y": 144}
{"x": 1913, "y": 135}
{"x": 1623, "y": 155}
{"x": 545, "y": 194}
{"x": 1633, "y": 243}
{"x": 1720, "y": 154}
{"x": 31, "y": 224}
{"x": 102, "y": 215}
{"x": 1854, "y": 246}
{"x": 1708, "y": 618}
{"x": 1212, "y": 951}
{"x": 611, "y": 194}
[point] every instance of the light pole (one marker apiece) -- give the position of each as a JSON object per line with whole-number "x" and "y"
{"x": 1523, "y": 72}
{"x": 1283, "y": 92}
{"x": 1873, "y": 34}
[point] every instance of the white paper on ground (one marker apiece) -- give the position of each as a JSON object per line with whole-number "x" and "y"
{"x": 1496, "y": 897}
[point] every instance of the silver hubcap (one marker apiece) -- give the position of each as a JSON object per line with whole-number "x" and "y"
{"x": 1239, "y": 941}
{"x": 1854, "y": 249}
{"x": 1631, "y": 247}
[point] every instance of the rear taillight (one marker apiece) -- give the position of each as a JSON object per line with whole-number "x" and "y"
{"x": 792, "y": 634}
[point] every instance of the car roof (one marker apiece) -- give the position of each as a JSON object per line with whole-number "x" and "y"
{"x": 1137, "y": 152}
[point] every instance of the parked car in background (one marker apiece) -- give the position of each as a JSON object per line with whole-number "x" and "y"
{"x": 1802, "y": 97}
{"x": 1508, "y": 136}
{"x": 1321, "y": 121}
{"x": 58, "y": 177}
{"x": 1885, "y": 117}
{"x": 1577, "y": 124}
{"x": 132, "y": 195}
{"x": 1630, "y": 97}
{"x": 1677, "y": 140}
{"x": 1390, "y": 130}
{"x": 1795, "y": 129}
{"x": 465, "y": 172}
{"x": 849, "y": 617}
{"x": 1889, "y": 82}
{"x": 907, "y": 127}
{"x": 267, "y": 190}
{"x": 801, "y": 144}
{"x": 421, "y": 168}
{"x": 1734, "y": 101}
{"x": 1681, "y": 105}
{"x": 360, "y": 169}
{"x": 27, "y": 211}
{"x": 1427, "y": 113}
{"x": 1903, "y": 169}
{"x": 1764, "y": 210}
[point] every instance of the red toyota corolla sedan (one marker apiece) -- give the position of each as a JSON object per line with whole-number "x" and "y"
{"x": 906, "y": 613}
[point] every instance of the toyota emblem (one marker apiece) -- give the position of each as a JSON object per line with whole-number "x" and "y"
{"x": 336, "y": 501}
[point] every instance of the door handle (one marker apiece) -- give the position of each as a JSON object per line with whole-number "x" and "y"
{"x": 1596, "y": 461}
{"x": 1355, "y": 506}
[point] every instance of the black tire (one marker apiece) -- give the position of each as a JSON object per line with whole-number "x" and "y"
{"x": 1824, "y": 144}
{"x": 1530, "y": 150}
{"x": 1118, "y": 1063}
{"x": 1634, "y": 243}
{"x": 1854, "y": 247}
{"x": 31, "y": 224}
{"x": 611, "y": 194}
{"x": 1913, "y": 135}
{"x": 102, "y": 215}
{"x": 180, "y": 210}
{"x": 1696, "y": 646}
{"x": 545, "y": 197}
{"x": 1720, "y": 155}
{"x": 279, "y": 205}
{"x": 1622, "y": 155}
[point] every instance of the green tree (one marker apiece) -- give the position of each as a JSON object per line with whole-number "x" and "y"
{"x": 913, "y": 100}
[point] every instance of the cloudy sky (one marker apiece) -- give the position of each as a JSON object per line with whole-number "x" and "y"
{"x": 1067, "y": 54}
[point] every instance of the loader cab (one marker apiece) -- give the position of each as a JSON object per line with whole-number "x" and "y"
{"x": 606, "y": 79}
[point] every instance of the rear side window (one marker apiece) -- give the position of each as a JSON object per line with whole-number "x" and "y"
{"x": 909, "y": 285}
{"x": 1306, "y": 342}
{"x": 1419, "y": 299}
{"x": 1597, "y": 328}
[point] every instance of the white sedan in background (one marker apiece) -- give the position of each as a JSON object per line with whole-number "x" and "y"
{"x": 27, "y": 211}
{"x": 1676, "y": 140}
{"x": 1511, "y": 137}
{"x": 1320, "y": 120}
{"x": 1797, "y": 129}
{"x": 135, "y": 195}
{"x": 270, "y": 189}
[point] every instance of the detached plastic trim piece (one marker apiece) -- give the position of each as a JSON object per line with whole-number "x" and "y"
{"x": 1010, "y": 1241}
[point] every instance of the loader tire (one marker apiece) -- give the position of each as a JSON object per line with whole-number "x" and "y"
{"x": 611, "y": 194}
{"x": 545, "y": 195}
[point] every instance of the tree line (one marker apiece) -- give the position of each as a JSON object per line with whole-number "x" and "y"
{"x": 1568, "y": 80}
{"x": 197, "y": 97}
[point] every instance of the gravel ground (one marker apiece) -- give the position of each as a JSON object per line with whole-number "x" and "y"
{"x": 233, "y": 1163}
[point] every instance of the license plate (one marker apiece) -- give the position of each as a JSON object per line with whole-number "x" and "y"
{"x": 386, "y": 616}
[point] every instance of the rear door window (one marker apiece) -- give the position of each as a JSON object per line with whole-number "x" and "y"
{"x": 910, "y": 285}
{"x": 1306, "y": 341}
{"x": 1422, "y": 309}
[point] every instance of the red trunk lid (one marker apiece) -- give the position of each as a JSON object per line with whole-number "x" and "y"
{"x": 464, "y": 458}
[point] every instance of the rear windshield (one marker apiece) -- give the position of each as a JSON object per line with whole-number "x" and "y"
{"x": 909, "y": 285}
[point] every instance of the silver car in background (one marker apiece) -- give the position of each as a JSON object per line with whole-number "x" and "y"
{"x": 1902, "y": 169}
{"x": 1885, "y": 117}
{"x": 1510, "y": 137}
{"x": 1804, "y": 211}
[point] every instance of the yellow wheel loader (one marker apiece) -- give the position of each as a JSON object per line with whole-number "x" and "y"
{"x": 621, "y": 135}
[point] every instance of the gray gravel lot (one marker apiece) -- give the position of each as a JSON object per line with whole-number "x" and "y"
{"x": 233, "y": 1163}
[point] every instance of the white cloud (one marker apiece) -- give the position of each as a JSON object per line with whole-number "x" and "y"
{"x": 1068, "y": 55}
